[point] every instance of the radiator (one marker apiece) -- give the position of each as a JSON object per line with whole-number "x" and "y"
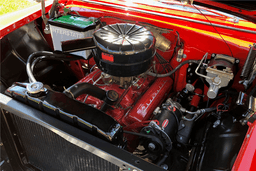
{"x": 49, "y": 144}
{"x": 47, "y": 151}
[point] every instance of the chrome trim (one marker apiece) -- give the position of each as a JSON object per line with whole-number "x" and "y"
{"x": 169, "y": 16}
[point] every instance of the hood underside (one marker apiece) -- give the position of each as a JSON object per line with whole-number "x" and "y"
{"x": 243, "y": 9}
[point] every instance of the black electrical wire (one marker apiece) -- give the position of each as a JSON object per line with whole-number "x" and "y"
{"x": 226, "y": 99}
{"x": 215, "y": 30}
{"x": 202, "y": 149}
{"x": 161, "y": 161}
{"x": 163, "y": 61}
{"x": 191, "y": 158}
{"x": 226, "y": 93}
{"x": 207, "y": 104}
{"x": 174, "y": 70}
{"x": 165, "y": 64}
{"x": 179, "y": 44}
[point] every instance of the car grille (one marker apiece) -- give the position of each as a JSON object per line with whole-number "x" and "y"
{"x": 48, "y": 151}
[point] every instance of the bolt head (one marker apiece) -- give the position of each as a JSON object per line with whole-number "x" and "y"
{"x": 217, "y": 80}
{"x": 151, "y": 146}
{"x": 164, "y": 166}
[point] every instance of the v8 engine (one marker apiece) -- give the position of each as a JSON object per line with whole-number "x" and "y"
{"x": 127, "y": 92}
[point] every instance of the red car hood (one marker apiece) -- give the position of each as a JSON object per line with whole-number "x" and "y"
{"x": 243, "y": 9}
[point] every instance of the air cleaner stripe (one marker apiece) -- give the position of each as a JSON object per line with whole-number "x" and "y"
{"x": 107, "y": 57}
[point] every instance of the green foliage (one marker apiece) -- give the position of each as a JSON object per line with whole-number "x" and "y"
{"x": 7, "y": 6}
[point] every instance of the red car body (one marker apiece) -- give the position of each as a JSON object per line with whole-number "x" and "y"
{"x": 201, "y": 29}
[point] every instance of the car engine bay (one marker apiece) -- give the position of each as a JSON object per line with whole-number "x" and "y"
{"x": 133, "y": 85}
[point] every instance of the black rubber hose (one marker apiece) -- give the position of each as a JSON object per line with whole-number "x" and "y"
{"x": 35, "y": 62}
{"x": 54, "y": 55}
{"x": 161, "y": 161}
{"x": 29, "y": 61}
{"x": 174, "y": 70}
{"x": 47, "y": 58}
{"x": 248, "y": 63}
{"x": 210, "y": 109}
{"x": 85, "y": 88}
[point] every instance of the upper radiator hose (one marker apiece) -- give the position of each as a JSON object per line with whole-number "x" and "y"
{"x": 78, "y": 89}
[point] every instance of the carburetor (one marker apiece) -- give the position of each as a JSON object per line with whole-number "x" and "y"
{"x": 219, "y": 72}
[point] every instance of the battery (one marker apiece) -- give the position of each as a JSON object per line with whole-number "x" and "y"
{"x": 70, "y": 27}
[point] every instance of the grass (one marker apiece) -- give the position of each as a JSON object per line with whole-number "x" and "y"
{"x": 8, "y": 6}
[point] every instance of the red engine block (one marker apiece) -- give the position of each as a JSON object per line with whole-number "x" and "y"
{"x": 136, "y": 104}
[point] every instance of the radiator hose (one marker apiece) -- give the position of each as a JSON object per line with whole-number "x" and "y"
{"x": 85, "y": 88}
{"x": 47, "y": 55}
{"x": 109, "y": 97}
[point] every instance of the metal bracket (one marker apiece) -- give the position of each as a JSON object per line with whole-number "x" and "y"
{"x": 180, "y": 55}
{"x": 185, "y": 2}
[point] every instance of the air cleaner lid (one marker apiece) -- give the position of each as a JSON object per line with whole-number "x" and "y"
{"x": 124, "y": 49}
{"x": 124, "y": 38}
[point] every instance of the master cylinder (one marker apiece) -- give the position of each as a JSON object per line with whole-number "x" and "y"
{"x": 219, "y": 72}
